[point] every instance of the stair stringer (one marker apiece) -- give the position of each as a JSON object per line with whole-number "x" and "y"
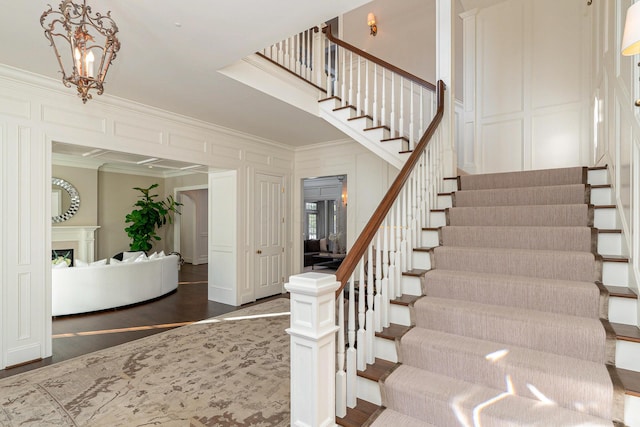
{"x": 375, "y": 146}
{"x": 260, "y": 74}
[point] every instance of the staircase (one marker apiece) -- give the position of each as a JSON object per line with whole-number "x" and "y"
{"x": 504, "y": 320}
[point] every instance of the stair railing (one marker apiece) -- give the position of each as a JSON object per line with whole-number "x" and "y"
{"x": 391, "y": 97}
{"x": 371, "y": 272}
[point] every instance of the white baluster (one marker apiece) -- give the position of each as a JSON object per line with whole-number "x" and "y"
{"x": 352, "y": 372}
{"x": 405, "y": 249}
{"x": 341, "y": 375}
{"x": 362, "y": 336}
{"x": 409, "y": 214}
{"x": 351, "y": 68}
{"x": 401, "y": 119}
{"x": 383, "y": 108}
{"x": 378, "y": 298}
{"x": 422, "y": 130}
{"x": 412, "y": 140}
{"x": 385, "y": 273}
{"x": 392, "y": 119}
{"x": 336, "y": 74}
{"x": 375, "y": 94}
{"x": 329, "y": 82}
{"x": 358, "y": 93}
{"x": 280, "y": 54}
{"x": 366, "y": 88}
{"x": 370, "y": 325}
{"x": 343, "y": 101}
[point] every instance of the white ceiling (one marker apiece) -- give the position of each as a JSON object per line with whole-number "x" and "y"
{"x": 171, "y": 51}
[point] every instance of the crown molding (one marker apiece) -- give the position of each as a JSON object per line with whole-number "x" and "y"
{"x": 75, "y": 161}
{"x": 41, "y": 82}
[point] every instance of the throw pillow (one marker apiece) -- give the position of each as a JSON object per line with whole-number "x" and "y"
{"x": 153, "y": 255}
{"x": 141, "y": 258}
{"x": 134, "y": 255}
{"x": 59, "y": 265}
{"x": 80, "y": 263}
{"x": 99, "y": 262}
{"x": 323, "y": 245}
{"x": 114, "y": 261}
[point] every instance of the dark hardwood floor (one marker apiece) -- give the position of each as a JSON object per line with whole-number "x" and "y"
{"x": 76, "y": 335}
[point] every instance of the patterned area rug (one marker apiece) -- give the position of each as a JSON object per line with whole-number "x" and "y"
{"x": 232, "y": 370}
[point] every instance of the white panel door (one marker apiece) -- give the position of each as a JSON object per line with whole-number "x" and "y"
{"x": 268, "y": 235}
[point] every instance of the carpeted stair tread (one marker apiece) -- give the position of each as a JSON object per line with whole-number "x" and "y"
{"x": 562, "y": 265}
{"x": 576, "y": 238}
{"x": 389, "y": 417}
{"x": 534, "y": 178}
{"x": 571, "y": 336}
{"x": 551, "y": 195}
{"x": 445, "y": 401}
{"x": 535, "y": 215}
{"x": 565, "y": 380}
{"x": 572, "y": 298}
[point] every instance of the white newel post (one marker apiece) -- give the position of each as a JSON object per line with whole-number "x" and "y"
{"x": 313, "y": 349}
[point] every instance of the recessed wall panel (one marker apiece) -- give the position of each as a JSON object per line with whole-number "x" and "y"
{"x": 501, "y": 59}
{"x": 67, "y": 118}
{"x": 24, "y": 195}
{"x": 15, "y": 107}
{"x": 556, "y": 140}
{"x": 138, "y": 133}
{"x": 187, "y": 142}
{"x": 502, "y": 148}
{"x": 556, "y": 58}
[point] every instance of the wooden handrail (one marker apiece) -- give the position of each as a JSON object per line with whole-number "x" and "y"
{"x": 327, "y": 31}
{"x": 368, "y": 233}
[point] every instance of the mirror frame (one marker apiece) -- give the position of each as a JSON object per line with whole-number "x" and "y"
{"x": 75, "y": 200}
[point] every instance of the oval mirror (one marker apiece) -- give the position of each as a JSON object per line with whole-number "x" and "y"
{"x": 65, "y": 200}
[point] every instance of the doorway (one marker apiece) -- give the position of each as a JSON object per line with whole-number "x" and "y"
{"x": 191, "y": 234}
{"x": 269, "y": 235}
{"x": 324, "y": 221}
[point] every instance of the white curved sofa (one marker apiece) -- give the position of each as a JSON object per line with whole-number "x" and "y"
{"x": 86, "y": 289}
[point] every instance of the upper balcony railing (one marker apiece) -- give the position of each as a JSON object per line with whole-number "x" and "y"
{"x": 391, "y": 97}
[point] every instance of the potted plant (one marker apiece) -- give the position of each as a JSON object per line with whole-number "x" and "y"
{"x": 149, "y": 215}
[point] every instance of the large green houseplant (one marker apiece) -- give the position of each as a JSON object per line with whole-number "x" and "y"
{"x": 149, "y": 215}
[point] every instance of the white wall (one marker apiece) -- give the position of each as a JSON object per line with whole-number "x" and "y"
{"x": 526, "y": 84}
{"x": 35, "y": 111}
{"x": 616, "y": 122}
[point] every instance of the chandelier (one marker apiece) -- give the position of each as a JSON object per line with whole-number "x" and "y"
{"x": 84, "y": 44}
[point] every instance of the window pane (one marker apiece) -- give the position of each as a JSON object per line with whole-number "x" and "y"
{"x": 312, "y": 220}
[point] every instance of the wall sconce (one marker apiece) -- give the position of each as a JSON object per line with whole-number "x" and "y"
{"x": 371, "y": 22}
{"x": 344, "y": 197}
{"x": 631, "y": 35}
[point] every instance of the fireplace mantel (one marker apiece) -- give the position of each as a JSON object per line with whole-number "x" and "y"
{"x": 81, "y": 236}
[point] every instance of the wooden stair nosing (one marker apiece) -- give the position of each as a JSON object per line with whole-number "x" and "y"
{"x": 361, "y": 117}
{"x": 600, "y": 186}
{"x": 393, "y": 331}
{"x": 621, "y": 292}
{"x": 377, "y": 370}
{"x": 329, "y": 99}
{"x": 424, "y": 249}
{"x": 609, "y": 231}
{"x": 359, "y": 415}
{"x": 395, "y": 138}
{"x": 431, "y": 228}
{"x": 604, "y": 206}
{"x": 615, "y": 258}
{"x": 377, "y": 127}
{"x": 405, "y": 300}
{"x": 597, "y": 168}
{"x": 625, "y": 332}
{"x": 416, "y": 272}
{"x": 344, "y": 107}
{"x": 630, "y": 381}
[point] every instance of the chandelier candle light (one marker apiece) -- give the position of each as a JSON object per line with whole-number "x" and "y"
{"x": 88, "y": 44}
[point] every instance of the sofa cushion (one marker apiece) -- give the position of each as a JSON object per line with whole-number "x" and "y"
{"x": 312, "y": 245}
{"x": 324, "y": 245}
